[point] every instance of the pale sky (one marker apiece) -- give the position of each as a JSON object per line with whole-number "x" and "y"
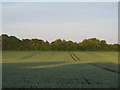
{"x": 74, "y": 21}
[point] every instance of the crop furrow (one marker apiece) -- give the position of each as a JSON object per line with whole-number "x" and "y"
{"x": 111, "y": 66}
{"x": 86, "y": 80}
{"x": 76, "y": 56}
{"x": 29, "y": 56}
{"x": 72, "y": 56}
{"x": 105, "y": 68}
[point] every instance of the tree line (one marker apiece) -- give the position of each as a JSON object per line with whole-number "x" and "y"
{"x": 92, "y": 44}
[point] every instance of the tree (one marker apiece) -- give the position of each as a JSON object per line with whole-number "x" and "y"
{"x": 57, "y": 45}
{"x": 102, "y": 45}
{"x": 5, "y": 42}
{"x": 116, "y": 47}
{"x": 36, "y": 44}
{"x": 90, "y": 44}
{"x": 26, "y": 44}
{"x": 14, "y": 43}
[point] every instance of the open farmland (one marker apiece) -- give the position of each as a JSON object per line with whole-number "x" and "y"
{"x": 57, "y": 69}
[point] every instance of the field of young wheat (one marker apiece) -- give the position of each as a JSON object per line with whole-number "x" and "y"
{"x": 59, "y": 69}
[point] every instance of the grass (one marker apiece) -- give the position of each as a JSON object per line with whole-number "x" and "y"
{"x": 57, "y": 69}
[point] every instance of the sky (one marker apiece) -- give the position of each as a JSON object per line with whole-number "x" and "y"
{"x": 74, "y": 21}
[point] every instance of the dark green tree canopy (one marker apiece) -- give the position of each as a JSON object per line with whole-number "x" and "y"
{"x": 92, "y": 44}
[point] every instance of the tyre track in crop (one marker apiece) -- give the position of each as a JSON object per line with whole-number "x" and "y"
{"x": 29, "y": 55}
{"x": 87, "y": 81}
{"x": 110, "y": 66}
{"x": 73, "y": 56}
{"x": 110, "y": 70}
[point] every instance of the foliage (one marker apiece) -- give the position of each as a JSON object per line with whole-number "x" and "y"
{"x": 92, "y": 44}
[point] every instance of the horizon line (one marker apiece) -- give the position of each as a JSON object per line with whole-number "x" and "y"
{"x": 55, "y": 39}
